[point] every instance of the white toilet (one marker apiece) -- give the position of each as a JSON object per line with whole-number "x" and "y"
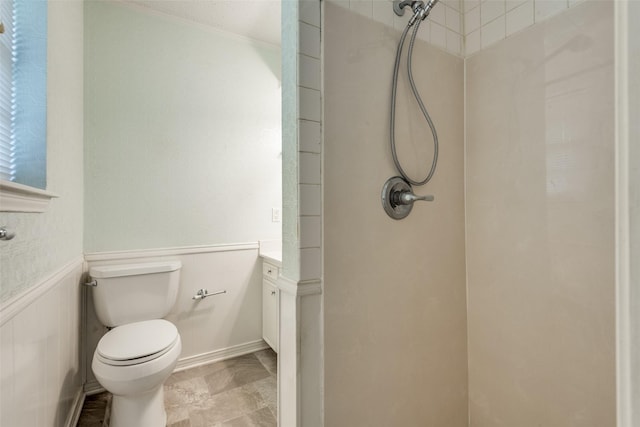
{"x": 133, "y": 360}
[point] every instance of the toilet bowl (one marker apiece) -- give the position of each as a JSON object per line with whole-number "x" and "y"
{"x": 133, "y": 360}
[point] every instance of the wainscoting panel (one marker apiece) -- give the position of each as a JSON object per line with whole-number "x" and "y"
{"x": 40, "y": 374}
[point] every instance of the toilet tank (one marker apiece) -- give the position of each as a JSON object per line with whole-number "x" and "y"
{"x": 134, "y": 292}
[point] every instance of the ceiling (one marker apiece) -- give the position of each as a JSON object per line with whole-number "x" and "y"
{"x": 256, "y": 19}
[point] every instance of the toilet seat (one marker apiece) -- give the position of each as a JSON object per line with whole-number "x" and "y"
{"x": 136, "y": 343}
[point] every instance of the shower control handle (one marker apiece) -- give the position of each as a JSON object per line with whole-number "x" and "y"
{"x": 407, "y": 197}
{"x": 398, "y": 197}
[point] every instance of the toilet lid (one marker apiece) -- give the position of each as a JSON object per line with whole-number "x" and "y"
{"x": 137, "y": 342}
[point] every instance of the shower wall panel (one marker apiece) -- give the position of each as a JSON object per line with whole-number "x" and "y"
{"x": 394, "y": 291}
{"x": 540, "y": 225}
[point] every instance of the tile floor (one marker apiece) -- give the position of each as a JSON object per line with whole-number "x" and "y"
{"x": 239, "y": 392}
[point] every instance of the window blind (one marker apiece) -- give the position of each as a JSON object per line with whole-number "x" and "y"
{"x": 23, "y": 92}
{"x": 7, "y": 145}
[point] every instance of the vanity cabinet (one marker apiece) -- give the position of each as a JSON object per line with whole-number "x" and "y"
{"x": 270, "y": 305}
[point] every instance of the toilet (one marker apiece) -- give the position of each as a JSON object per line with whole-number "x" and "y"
{"x": 133, "y": 360}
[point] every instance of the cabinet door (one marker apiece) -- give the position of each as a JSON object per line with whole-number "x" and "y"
{"x": 270, "y": 314}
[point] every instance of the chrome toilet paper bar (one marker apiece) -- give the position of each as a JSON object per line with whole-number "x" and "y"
{"x": 203, "y": 293}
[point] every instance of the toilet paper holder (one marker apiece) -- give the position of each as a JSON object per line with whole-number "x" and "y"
{"x": 203, "y": 293}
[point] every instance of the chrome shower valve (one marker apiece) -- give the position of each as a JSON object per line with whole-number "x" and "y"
{"x": 398, "y": 197}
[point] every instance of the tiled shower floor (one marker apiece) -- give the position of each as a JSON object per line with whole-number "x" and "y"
{"x": 239, "y": 392}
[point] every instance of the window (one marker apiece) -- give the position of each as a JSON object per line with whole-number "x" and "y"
{"x": 7, "y": 152}
{"x": 23, "y": 105}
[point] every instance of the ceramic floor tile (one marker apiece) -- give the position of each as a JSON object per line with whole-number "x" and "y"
{"x": 176, "y": 414}
{"x": 267, "y": 389}
{"x": 183, "y": 423}
{"x": 269, "y": 360}
{"x": 237, "y": 392}
{"x": 260, "y": 418}
{"x": 245, "y": 370}
{"x": 225, "y": 406}
{"x": 185, "y": 393}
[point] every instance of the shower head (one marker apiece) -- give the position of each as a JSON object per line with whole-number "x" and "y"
{"x": 419, "y": 8}
{"x": 428, "y": 7}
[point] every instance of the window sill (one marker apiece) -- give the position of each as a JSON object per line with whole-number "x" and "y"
{"x": 22, "y": 198}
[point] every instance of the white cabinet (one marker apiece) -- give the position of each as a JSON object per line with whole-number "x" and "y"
{"x": 270, "y": 305}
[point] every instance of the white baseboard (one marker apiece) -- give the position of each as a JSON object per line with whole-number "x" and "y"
{"x": 76, "y": 409}
{"x": 218, "y": 355}
{"x": 94, "y": 387}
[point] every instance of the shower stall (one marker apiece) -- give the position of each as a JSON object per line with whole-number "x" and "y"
{"x": 495, "y": 304}
{"x": 503, "y": 301}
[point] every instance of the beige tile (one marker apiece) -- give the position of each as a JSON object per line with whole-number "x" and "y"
{"x": 383, "y": 12}
{"x": 310, "y": 199}
{"x": 238, "y": 390}
{"x": 269, "y": 360}
{"x": 362, "y": 7}
{"x": 520, "y": 17}
{"x": 452, "y": 18}
{"x": 541, "y": 301}
{"x": 310, "y": 107}
{"x": 260, "y": 418}
{"x": 309, "y": 72}
{"x": 472, "y": 20}
{"x": 377, "y": 298}
{"x": 492, "y": 32}
{"x": 490, "y": 10}
{"x": 178, "y": 416}
{"x": 437, "y": 15}
{"x": 225, "y": 406}
{"x": 245, "y": 370}
{"x": 185, "y": 393}
{"x": 547, "y": 8}
{"x": 309, "y": 40}
{"x": 181, "y": 423}
{"x": 310, "y": 232}
{"x": 454, "y": 42}
{"x": 201, "y": 371}
{"x": 472, "y": 43}
{"x": 470, "y": 4}
{"x": 438, "y": 35}
{"x": 267, "y": 389}
{"x": 309, "y": 136}
{"x": 310, "y": 12}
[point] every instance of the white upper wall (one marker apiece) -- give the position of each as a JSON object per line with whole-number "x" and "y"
{"x": 183, "y": 132}
{"x": 256, "y": 19}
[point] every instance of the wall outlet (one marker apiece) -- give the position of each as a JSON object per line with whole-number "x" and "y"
{"x": 276, "y": 215}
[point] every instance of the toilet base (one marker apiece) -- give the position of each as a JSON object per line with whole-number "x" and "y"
{"x": 142, "y": 410}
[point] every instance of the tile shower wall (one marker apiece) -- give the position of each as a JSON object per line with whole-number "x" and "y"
{"x": 540, "y": 225}
{"x": 309, "y": 153}
{"x": 489, "y": 21}
{"x": 443, "y": 29}
{"x": 394, "y": 291}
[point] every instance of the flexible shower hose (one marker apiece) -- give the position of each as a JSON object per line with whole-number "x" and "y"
{"x": 394, "y": 89}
